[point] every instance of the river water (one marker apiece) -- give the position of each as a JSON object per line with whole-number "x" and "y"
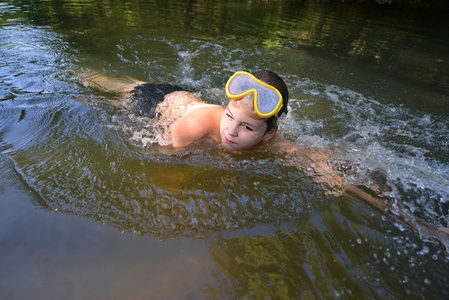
{"x": 90, "y": 209}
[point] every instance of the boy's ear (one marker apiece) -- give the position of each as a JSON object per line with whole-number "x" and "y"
{"x": 270, "y": 134}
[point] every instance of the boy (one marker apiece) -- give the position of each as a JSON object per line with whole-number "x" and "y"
{"x": 240, "y": 126}
{"x": 249, "y": 122}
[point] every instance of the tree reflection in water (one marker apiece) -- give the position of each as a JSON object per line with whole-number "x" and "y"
{"x": 338, "y": 252}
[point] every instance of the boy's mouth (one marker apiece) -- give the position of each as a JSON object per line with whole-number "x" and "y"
{"x": 229, "y": 141}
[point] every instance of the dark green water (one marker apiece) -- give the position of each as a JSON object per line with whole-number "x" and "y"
{"x": 90, "y": 210}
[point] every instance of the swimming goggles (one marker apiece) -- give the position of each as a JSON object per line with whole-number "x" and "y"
{"x": 267, "y": 99}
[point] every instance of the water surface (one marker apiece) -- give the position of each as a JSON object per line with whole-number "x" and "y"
{"x": 90, "y": 209}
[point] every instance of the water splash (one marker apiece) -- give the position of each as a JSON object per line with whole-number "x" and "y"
{"x": 408, "y": 145}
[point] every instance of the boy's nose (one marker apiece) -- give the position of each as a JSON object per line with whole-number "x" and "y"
{"x": 232, "y": 130}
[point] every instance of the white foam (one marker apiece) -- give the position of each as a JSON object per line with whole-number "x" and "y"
{"x": 393, "y": 138}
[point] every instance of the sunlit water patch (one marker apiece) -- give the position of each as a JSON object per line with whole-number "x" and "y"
{"x": 30, "y": 59}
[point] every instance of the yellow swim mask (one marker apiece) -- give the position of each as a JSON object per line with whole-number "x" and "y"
{"x": 267, "y": 99}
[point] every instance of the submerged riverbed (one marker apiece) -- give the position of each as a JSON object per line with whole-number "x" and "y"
{"x": 90, "y": 208}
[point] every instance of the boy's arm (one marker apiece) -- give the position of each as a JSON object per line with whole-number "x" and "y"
{"x": 185, "y": 131}
{"x": 316, "y": 163}
{"x": 196, "y": 123}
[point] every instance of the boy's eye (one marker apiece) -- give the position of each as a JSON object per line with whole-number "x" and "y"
{"x": 247, "y": 128}
{"x": 229, "y": 116}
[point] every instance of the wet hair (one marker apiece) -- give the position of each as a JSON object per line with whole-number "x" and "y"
{"x": 271, "y": 78}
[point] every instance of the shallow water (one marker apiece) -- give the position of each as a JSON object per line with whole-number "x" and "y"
{"x": 90, "y": 209}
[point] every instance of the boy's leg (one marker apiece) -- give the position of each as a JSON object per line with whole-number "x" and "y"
{"x": 123, "y": 84}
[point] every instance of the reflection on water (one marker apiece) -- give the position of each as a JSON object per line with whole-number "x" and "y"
{"x": 357, "y": 252}
{"x": 360, "y": 80}
{"x": 411, "y": 45}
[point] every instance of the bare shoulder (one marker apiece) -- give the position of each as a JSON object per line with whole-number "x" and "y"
{"x": 196, "y": 122}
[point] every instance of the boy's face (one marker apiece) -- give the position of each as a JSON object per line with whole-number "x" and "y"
{"x": 240, "y": 130}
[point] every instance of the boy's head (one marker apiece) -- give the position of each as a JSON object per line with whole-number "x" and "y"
{"x": 241, "y": 127}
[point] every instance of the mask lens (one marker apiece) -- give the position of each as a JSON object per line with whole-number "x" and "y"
{"x": 265, "y": 101}
{"x": 240, "y": 84}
